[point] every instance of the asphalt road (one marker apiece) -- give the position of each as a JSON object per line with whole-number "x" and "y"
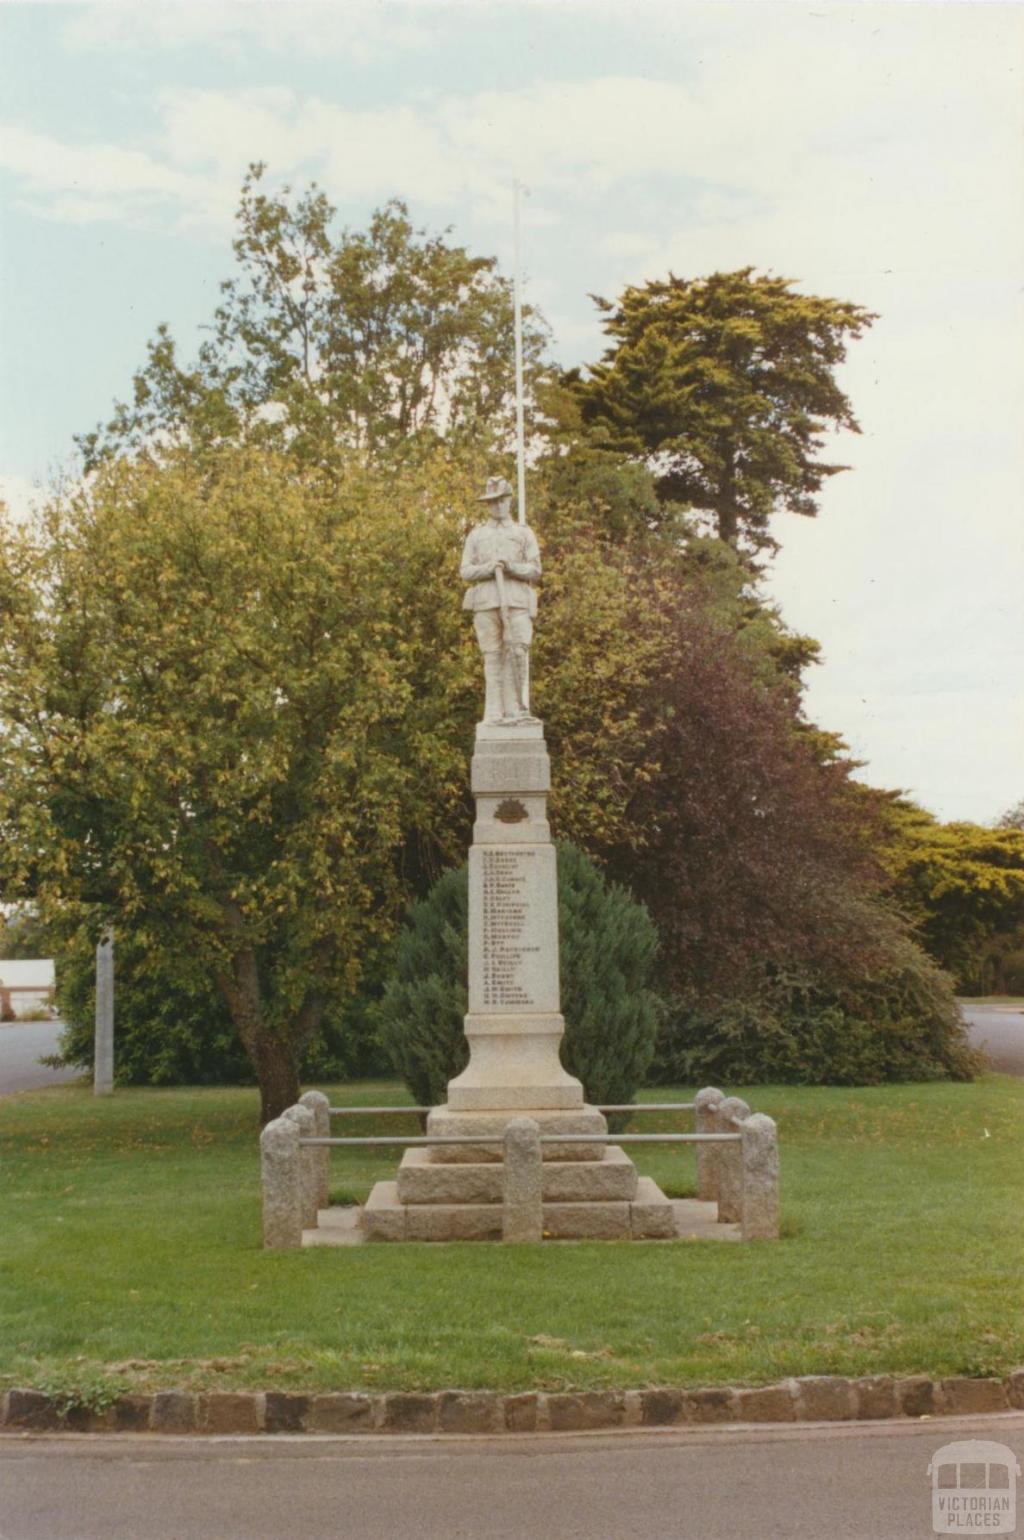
{"x": 21, "y": 1044}
{"x": 854, "y": 1481}
{"x": 999, "y": 1029}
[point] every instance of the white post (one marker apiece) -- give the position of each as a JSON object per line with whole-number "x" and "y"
{"x": 522, "y": 1212}
{"x": 281, "y": 1180}
{"x": 705, "y": 1103}
{"x": 103, "y": 1049}
{"x": 730, "y": 1161}
{"x": 759, "y": 1218}
{"x": 517, "y": 288}
{"x": 309, "y": 1175}
{"x": 320, "y": 1107}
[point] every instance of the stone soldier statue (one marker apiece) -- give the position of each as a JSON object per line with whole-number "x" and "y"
{"x": 501, "y": 564}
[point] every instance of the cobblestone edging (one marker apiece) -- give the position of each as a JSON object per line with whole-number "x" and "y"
{"x": 815, "y": 1398}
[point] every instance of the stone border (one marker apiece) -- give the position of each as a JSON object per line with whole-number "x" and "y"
{"x": 813, "y": 1398}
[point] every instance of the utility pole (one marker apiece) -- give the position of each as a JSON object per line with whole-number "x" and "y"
{"x": 517, "y": 289}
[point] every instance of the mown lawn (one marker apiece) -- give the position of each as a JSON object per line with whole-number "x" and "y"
{"x": 130, "y": 1256}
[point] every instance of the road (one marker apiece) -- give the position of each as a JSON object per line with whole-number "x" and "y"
{"x": 999, "y": 1029}
{"x": 21, "y": 1044}
{"x": 854, "y": 1481}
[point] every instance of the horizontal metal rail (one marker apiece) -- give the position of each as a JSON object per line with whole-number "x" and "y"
{"x": 649, "y": 1107}
{"x": 352, "y": 1112}
{"x": 499, "y": 1139}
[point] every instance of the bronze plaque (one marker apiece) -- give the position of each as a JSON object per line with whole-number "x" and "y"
{"x": 511, "y": 811}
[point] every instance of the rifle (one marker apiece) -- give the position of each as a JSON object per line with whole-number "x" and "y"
{"x": 499, "y": 578}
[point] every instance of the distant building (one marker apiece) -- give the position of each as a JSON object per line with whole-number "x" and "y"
{"x": 26, "y": 984}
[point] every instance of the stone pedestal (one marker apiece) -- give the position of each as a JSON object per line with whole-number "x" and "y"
{"x": 514, "y": 1028}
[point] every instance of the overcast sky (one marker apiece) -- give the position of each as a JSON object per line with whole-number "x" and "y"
{"x": 871, "y": 152}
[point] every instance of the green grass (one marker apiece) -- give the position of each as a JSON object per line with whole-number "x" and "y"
{"x": 130, "y": 1256}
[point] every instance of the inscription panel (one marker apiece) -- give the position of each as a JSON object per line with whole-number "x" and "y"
{"x": 513, "y": 929}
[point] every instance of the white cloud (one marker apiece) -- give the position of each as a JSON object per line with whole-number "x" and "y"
{"x": 349, "y": 28}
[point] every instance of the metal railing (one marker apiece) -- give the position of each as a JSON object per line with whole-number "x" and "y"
{"x": 737, "y": 1156}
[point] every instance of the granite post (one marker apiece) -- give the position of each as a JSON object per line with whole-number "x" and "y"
{"x": 522, "y": 1211}
{"x": 103, "y": 1055}
{"x": 281, "y": 1184}
{"x": 320, "y": 1107}
{"x": 730, "y": 1160}
{"x": 705, "y": 1103}
{"x": 309, "y": 1176}
{"x": 759, "y": 1216}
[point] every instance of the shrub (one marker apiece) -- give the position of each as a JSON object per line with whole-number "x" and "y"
{"x": 898, "y": 1021}
{"x": 607, "y": 948}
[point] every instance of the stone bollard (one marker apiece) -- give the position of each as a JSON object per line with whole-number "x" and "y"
{"x": 730, "y": 1160}
{"x": 759, "y": 1218}
{"x": 309, "y": 1177}
{"x": 522, "y": 1216}
{"x": 320, "y": 1107}
{"x": 280, "y": 1178}
{"x": 705, "y": 1103}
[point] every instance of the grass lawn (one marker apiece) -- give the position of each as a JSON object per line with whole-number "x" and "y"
{"x": 130, "y": 1257}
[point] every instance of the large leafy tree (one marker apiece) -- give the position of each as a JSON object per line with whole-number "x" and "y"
{"x": 324, "y": 342}
{"x": 963, "y": 887}
{"x": 727, "y": 385}
{"x": 234, "y": 712}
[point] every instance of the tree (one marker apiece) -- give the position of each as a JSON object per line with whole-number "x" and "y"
{"x": 726, "y": 386}
{"x": 379, "y": 341}
{"x": 235, "y": 701}
{"x": 1013, "y": 818}
{"x": 963, "y": 887}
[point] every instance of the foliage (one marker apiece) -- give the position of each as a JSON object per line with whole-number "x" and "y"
{"x": 726, "y": 384}
{"x": 963, "y": 886}
{"x": 377, "y": 341}
{"x": 174, "y": 1026}
{"x": 420, "y": 1016}
{"x": 23, "y": 934}
{"x": 864, "y": 1280}
{"x": 899, "y": 1021}
{"x": 235, "y": 705}
{"x": 607, "y": 946}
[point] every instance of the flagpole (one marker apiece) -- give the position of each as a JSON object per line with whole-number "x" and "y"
{"x": 517, "y": 287}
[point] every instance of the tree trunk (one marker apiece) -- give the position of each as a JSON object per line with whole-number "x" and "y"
{"x": 277, "y": 1070}
{"x": 728, "y": 525}
{"x": 275, "y": 1057}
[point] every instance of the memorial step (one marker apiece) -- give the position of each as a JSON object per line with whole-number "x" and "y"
{"x": 648, "y": 1216}
{"x": 422, "y": 1180}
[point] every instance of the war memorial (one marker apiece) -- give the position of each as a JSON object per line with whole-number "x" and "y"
{"x": 516, "y": 1153}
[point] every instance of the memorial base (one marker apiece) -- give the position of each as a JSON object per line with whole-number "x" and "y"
{"x": 454, "y": 1192}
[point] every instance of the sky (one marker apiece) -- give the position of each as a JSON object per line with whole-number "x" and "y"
{"x": 870, "y": 152}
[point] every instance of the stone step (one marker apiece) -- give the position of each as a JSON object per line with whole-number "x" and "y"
{"x": 422, "y": 1180}
{"x": 444, "y": 1121}
{"x": 649, "y": 1216}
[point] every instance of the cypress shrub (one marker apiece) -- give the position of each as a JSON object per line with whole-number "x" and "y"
{"x": 607, "y": 948}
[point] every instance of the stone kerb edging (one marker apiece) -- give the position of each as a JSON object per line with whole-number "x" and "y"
{"x": 814, "y": 1398}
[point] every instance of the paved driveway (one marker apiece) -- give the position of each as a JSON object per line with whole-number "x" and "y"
{"x": 21, "y": 1045}
{"x": 999, "y": 1029}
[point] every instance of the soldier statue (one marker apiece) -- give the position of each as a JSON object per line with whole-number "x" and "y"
{"x": 501, "y": 564}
